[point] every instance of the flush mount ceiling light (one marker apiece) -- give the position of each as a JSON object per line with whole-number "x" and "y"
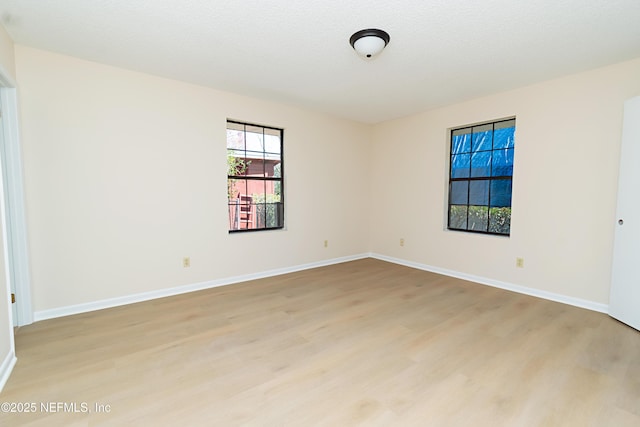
{"x": 369, "y": 43}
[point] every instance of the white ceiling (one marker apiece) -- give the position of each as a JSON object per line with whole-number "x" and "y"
{"x": 297, "y": 51}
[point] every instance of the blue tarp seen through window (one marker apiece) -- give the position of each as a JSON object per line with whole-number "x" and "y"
{"x": 483, "y": 152}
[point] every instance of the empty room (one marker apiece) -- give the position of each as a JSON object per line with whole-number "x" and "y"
{"x": 270, "y": 213}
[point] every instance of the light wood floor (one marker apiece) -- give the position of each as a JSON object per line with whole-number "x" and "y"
{"x": 361, "y": 343}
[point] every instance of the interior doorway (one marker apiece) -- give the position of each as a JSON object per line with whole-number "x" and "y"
{"x": 14, "y": 224}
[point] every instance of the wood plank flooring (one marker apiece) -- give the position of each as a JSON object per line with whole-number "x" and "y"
{"x": 364, "y": 343}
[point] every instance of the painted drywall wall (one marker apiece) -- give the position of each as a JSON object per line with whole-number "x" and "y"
{"x": 564, "y": 185}
{"x": 6, "y": 332}
{"x": 125, "y": 174}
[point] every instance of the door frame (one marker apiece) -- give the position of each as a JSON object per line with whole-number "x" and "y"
{"x": 624, "y": 296}
{"x": 14, "y": 224}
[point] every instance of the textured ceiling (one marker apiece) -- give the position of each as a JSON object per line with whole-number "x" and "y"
{"x": 298, "y": 52}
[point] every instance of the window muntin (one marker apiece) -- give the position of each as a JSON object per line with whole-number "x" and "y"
{"x": 255, "y": 180}
{"x": 480, "y": 177}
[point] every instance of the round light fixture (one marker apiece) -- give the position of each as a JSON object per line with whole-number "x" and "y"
{"x": 370, "y": 42}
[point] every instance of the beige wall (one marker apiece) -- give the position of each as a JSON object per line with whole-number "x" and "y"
{"x": 6, "y": 340}
{"x": 125, "y": 174}
{"x": 564, "y": 186}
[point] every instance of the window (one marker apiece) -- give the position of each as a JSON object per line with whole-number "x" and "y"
{"x": 481, "y": 170}
{"x": 254, "y": 177}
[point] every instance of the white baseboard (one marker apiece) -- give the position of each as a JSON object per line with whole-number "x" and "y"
{"x": 146, "y": 296}
{"x": 577, "y": 302}
{"x": 6, "y": 367}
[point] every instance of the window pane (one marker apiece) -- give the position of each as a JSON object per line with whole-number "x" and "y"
{"x": 481, "y": 164}
{"x": 481, "y": 139}
{"x": 500, "y": 220}
{"x": 267, "y": 192}
{"x": 235, "y": 126}
{"x": 255, "y": 164}
{"x": 268, "y": 205}
{"x": 459, "y": 193}
{"x": 502, "y": 164}
{"x": 241, "y": 212}
{"x": 270, "y": 168}
{"x": 235, "y": 139}
{"x": 236, "y": 187}
{"x": 479, "y": 192}
{"x": 478, "y": 218}
{"x": 272, "y": 143}
{"x": 237, "y": 164}
{"x": 277, "y": 189}
{"x": 460, "y": 165}
{"x": 254, "y": 141}
{"x": 269, "y": 215}
{"x": 258, "y": 192}
{"x": 504, "y": 124}
{"x": 277, "y": 169}
{"x": 253, "y": 129}
{"x": 504, "y": 134}
{"x": 500, "y": 193}
{"x": 461, "y": 141}
{"x": 458, "y": 217}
